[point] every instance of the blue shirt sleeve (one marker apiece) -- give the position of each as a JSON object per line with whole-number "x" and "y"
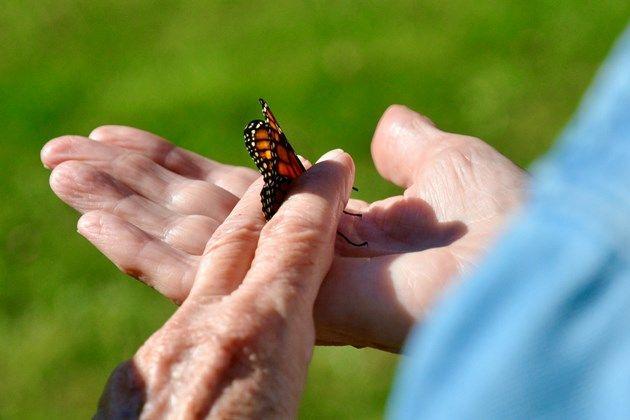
{"x": 542, "y": 329}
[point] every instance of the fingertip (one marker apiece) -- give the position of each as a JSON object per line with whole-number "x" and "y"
{"x": 104, "y": 132}
{"x": 390, "y": 116}
{"x": 401, "y": 138}
{"x": 62, "y": 175}
{"x": 100, "y": 225}
{"x": 126, "y": 136}
{"x": 348, "y": 163}
{"x": 71, "y": 176}
{"x": 307, "y": 163}
{"x": 56, "y": 150}
{"x": 339, "y": 156}
{"x": 112, "y": 133}
{"x": 331, "y": 177}
{"x": 330, "y": 155}
{"x": 398, "y": 116}
{"x": 90, "y": 223}
{"x": 47, "y": 153}
{"x": 345, "y": 163}
{"x": 400, "y": 122}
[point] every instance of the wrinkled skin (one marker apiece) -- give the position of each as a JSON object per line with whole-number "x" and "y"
{"x": 240, "y": 344}
{"x": 158, "y": 206}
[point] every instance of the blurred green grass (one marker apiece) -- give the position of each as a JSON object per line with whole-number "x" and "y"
{"x": 506, "y": 71}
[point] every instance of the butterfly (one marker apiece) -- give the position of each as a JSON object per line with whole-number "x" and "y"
{"x": 276, "y": 160}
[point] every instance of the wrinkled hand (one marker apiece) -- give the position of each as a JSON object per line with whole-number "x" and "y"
{"x": 159, "y": 205}
{"x": 240, "y": 344}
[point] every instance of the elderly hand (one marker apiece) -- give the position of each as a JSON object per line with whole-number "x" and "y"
{"x": 162, "y": 204}
{"x": 241, "y": 342}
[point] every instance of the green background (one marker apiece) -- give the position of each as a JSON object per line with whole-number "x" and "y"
{"x": 509, "y": 72}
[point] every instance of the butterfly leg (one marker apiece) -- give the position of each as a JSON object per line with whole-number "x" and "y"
{"x": 353, "y": 214}
{"x": 350, "y": 242}
{"x": 345, "y": 237}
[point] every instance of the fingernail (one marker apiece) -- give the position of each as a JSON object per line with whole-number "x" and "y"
{"x": 330, "y": 155}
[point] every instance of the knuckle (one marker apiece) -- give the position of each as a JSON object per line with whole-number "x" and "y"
{"x": 423, "y": 122}
{"x": 196, "y": 186}
{"x": 133, "y": 160}
{"x": 462, "y": 155}
{"x": 459, "y": 141}
{"x": 293, "y": 225}
{"x": 231, "y": 233}
{"x": 188, "y": 229}
{"x": 171, "y": 153}
{"x": 292, "y": 218}
{"x": 130, "y": 270}
{"x": 189, "y": 192}
{"x": 294, "y": 241}
{"x": 100, "y": 131}
{"x": 249, "y": 322}
{"x": 243, "y": 173}
{"x": 185, "y": 225}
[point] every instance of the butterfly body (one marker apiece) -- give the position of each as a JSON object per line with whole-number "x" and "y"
{"x": 274, "y": 157}
{"x": 277, "y": 162}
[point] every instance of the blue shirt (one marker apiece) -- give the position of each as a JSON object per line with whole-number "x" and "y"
{"x": 542, "y": 329}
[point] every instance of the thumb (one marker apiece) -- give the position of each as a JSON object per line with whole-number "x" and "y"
{"x": 403, "y": 141}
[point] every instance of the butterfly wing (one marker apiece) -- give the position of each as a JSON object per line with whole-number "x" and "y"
{"x": 275, "y": 159}
{"x": 261, "y": 147}
{"x": 289, "y": 164}
{"x": 270, "y": 119}
{"x": 273, "y": 194}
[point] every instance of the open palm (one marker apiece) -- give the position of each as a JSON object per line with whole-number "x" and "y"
{"x": 151, "y": 208}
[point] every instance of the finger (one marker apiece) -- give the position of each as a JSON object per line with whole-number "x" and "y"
{"x": 87, "y": 188}
{"x": 173, "y": 191}
{"x": 296, "y": 246}
{"x": 65, "y": 148}
{"x": 348, "y": 223}
{"x": 354, "y": 205}
{"x": 402, "y": 142}
{"x": 147, "y": 178}
{"x": 375, "y": 302}
{"x": 232, "y": 178}
{"x": 169, "y": 271}
{"x": 229, "y": 252}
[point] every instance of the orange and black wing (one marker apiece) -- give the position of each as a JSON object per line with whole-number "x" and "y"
{"x": 277, "y": 162}
{"x": 275, "y": 158}
{"x": 269, "y": 117}
{"x": 261, "y": 147}
{"x": 289, "y": 164}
